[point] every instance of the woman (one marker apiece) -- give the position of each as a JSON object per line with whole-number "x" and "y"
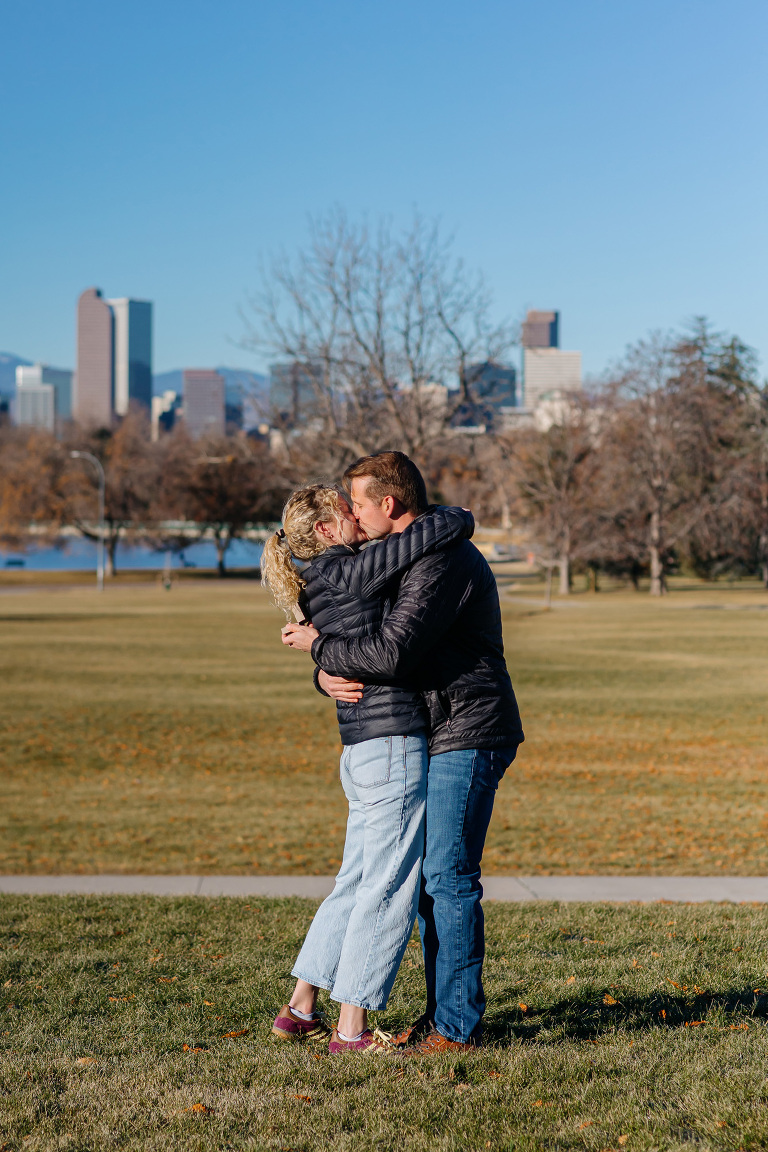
{"x": 358, "y": 936}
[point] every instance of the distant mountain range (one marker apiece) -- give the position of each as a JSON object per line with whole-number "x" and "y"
{"x": 241, "y": 383}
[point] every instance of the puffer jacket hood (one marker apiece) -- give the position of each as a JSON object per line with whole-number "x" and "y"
{"x": 348, "y": 594}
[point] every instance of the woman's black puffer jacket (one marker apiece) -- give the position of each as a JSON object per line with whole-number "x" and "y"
{"x": 346, "y": 595}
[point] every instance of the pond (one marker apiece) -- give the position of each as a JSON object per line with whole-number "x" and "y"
{"x": 75, "y": 554}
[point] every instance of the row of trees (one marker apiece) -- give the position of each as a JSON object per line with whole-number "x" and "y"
{"x": 663, "y": 461}
{"x": 164, "y": 494}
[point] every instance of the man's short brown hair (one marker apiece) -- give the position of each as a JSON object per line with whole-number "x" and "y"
{"x": 390, "y": 474}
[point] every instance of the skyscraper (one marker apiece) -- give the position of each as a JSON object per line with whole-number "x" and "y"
{"x": 114, "y": 357}
{"x": 541, "y": 330}
{"x": 204, "y": 402}
{"x": 132, "y": 353}
{"x": 43, "y": 395}
{"x": 93, "y": 399}
{"x": 547, "y": 371}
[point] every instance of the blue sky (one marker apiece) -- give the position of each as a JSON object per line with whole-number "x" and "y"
{"x": 603, "y": 157}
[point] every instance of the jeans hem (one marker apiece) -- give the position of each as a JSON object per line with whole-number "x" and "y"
{"x": 326, "y": 985}
{"x": 379, "y": 1006}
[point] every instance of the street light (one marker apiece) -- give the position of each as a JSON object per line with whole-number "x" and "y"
{"x": 102, "y": 485}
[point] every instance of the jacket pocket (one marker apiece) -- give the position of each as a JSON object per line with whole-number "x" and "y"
{"x": 370, "y": 762}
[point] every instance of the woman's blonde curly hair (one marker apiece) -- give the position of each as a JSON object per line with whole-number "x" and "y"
{"x": 297, "y": 537}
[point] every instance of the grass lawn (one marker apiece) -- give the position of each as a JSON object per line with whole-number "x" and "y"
{"x": 144, "y": 1023}
{"x": 153, "y": 731}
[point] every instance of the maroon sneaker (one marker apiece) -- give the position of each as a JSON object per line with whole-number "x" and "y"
{"x": 375, "y": 1043}
{"x": 290, "y": 1027}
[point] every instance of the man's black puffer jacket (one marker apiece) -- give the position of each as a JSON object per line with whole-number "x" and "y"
{"x": 444, "y": 632}
{"x": 346, "y": 594}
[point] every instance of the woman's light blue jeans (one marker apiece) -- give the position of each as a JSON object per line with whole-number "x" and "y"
{"x": 359, "y": 934}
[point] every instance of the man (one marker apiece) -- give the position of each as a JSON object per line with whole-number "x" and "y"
{"x": 444, "y": 633}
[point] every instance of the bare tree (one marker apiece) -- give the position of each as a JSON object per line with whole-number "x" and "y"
{"x": 129, "y": 462}
{"x": 555, "y": 474}
{"x": 672, "y": 442}
{"x": 225, "y": 485}
{"x": 386, "y": 328}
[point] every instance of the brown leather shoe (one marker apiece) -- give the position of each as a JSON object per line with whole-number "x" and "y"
{"x": 417, "y": 1031}
{"x": 434, "y": 1045}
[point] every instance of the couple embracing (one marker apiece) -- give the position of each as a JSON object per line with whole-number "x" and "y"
{"x": 406, "y": 636}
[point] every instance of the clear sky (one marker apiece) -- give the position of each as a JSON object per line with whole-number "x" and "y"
{"x": 604, "y": 157}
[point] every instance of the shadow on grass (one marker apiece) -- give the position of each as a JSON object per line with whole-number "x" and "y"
{"x": 587, "y": 1019}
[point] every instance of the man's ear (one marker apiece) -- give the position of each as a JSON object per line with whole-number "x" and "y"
{"x": 388, "y": 506}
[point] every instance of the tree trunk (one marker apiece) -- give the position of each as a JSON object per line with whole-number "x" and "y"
{"x": 110, "y": 549}
{"x": 658, "y": 584}
{"x": 506, "y": 511}
{"x": 594, "y": 583}
{"x": 221, "y": 550}
{"x": 565, "y": 564}
{"x": 564, "y": 586}
{"x": 765, "y": 574}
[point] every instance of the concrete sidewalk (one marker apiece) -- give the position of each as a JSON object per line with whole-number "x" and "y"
{"x": 687, "y": 889}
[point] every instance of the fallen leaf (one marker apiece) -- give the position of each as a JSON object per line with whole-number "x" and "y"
{"x": 623, "y": 1139}
{"x": 721, "y": 1124}
{"x": 190, "y": 1048}
{"x": 242, "y": 1032}
{"x": 523, "y": 1007}
{"x": 494, "y": 1075}
{"x": 306, "y": 1099}
{"x": 740, "y": 1027}
{"x": 571, "y": 980}
{"x": 85, "y": 1060}
{"x": 655, "y": 953}
{"x": 200, "y": 1108}
{"x": 608, "y": 999}
{"x": 166, "y": 979}
{"x": 537, "y": 1104}
{"x": 672, "y": 983}
{"x": 693, "y": 1023}
{"x": 209, "y": 1003}
{"x": 587, "y": 1124}
{"x": 7, "y": 984}
{"x": 663, "y": 1014}
{"x": 116, "y": 999}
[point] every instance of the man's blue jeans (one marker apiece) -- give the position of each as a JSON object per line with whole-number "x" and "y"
{"x": 461, "y": 787}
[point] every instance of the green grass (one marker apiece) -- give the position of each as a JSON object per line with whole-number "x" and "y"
{"x": 154, "y": 731}
{"x": 609, "y": 1027}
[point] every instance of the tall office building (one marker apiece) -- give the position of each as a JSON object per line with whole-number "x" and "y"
{"x": 114, "y": 357}
{"x": 132, "y": 359}
{"x": 93, "y": 399}
{"x": 293, "y": 389}
{"x": 547, "y": 370}
{"x": 541, "y": 330}
{"x": 204, "y": 402}
{"x": 43, "y": 395}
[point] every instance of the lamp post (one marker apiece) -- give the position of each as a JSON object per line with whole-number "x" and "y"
{"x": 102, "y": 486}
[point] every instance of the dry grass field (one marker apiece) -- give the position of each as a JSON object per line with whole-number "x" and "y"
{"x": 154, "y": 731}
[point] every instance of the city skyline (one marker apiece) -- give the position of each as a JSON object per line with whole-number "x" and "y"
{"x": 606, "y": 159}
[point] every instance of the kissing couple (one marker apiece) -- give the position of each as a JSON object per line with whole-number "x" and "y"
{"x": 405, "y": 633}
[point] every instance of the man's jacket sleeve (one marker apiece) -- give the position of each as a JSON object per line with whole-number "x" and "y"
{"x": 367, "y": 573}
{"x": 431, "y": 597}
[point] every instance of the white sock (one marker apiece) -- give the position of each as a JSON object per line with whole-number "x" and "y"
{"x": 350, "y": 1039}
{"x": 303, "y": 1015}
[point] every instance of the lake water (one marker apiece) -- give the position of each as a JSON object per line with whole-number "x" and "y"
{"x": 79, "y": 555}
